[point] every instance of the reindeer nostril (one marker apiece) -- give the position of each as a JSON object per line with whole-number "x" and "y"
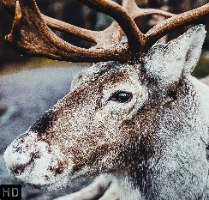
{"x": 36, "y": 155}
{"x": 43, "y": 123}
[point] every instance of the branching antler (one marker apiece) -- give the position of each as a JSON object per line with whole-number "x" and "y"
{"x": 31, "y": 33}
{"x": 119, "y": 14}
{"x": 174, "y": 22}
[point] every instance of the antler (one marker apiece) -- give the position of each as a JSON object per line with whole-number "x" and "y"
{"x": 175, "y": 22}
{"x": 31, "y": 34}
{"x": 131, "y": 7}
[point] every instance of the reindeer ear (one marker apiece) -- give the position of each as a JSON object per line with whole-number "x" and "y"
{"x": 167, "y": 63}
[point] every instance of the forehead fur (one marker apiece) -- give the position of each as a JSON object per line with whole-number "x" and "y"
{"x": 105, "y": 71}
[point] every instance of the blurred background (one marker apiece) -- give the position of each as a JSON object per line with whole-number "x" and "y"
{"x": 30, "y": 85}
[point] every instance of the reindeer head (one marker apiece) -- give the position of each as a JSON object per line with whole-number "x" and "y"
{"x": 112, "y": 109}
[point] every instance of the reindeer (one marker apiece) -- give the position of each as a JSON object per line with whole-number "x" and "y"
{"x": 136, "y": 115}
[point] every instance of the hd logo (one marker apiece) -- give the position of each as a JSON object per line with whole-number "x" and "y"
{"x": 10, "y": 192}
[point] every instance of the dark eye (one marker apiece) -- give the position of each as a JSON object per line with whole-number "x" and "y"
{"x": 121, "y": 97}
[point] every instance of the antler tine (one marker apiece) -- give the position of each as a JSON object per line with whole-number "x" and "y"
{"x": 88, "y": 35}
{"x": 131, "y": 7}
{"x": 125, "y": 21}
{"x": 151, "y": 11}
{"x": 26, "y": 35}
{"x": 186, "y": 18}
{"x": 100, "y": 38}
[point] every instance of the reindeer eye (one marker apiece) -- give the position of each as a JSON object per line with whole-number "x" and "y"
{"x": 121, "y": 96}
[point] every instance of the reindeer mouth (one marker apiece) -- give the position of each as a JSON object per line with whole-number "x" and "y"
{"x": 19, "y": 170}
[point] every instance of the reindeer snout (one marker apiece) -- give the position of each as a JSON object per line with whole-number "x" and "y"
{"x": 35, "y": 162}
{"x": 26, "y": 148}
{"x": 17, "y": 164}
{"x": 19, "y": 154}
